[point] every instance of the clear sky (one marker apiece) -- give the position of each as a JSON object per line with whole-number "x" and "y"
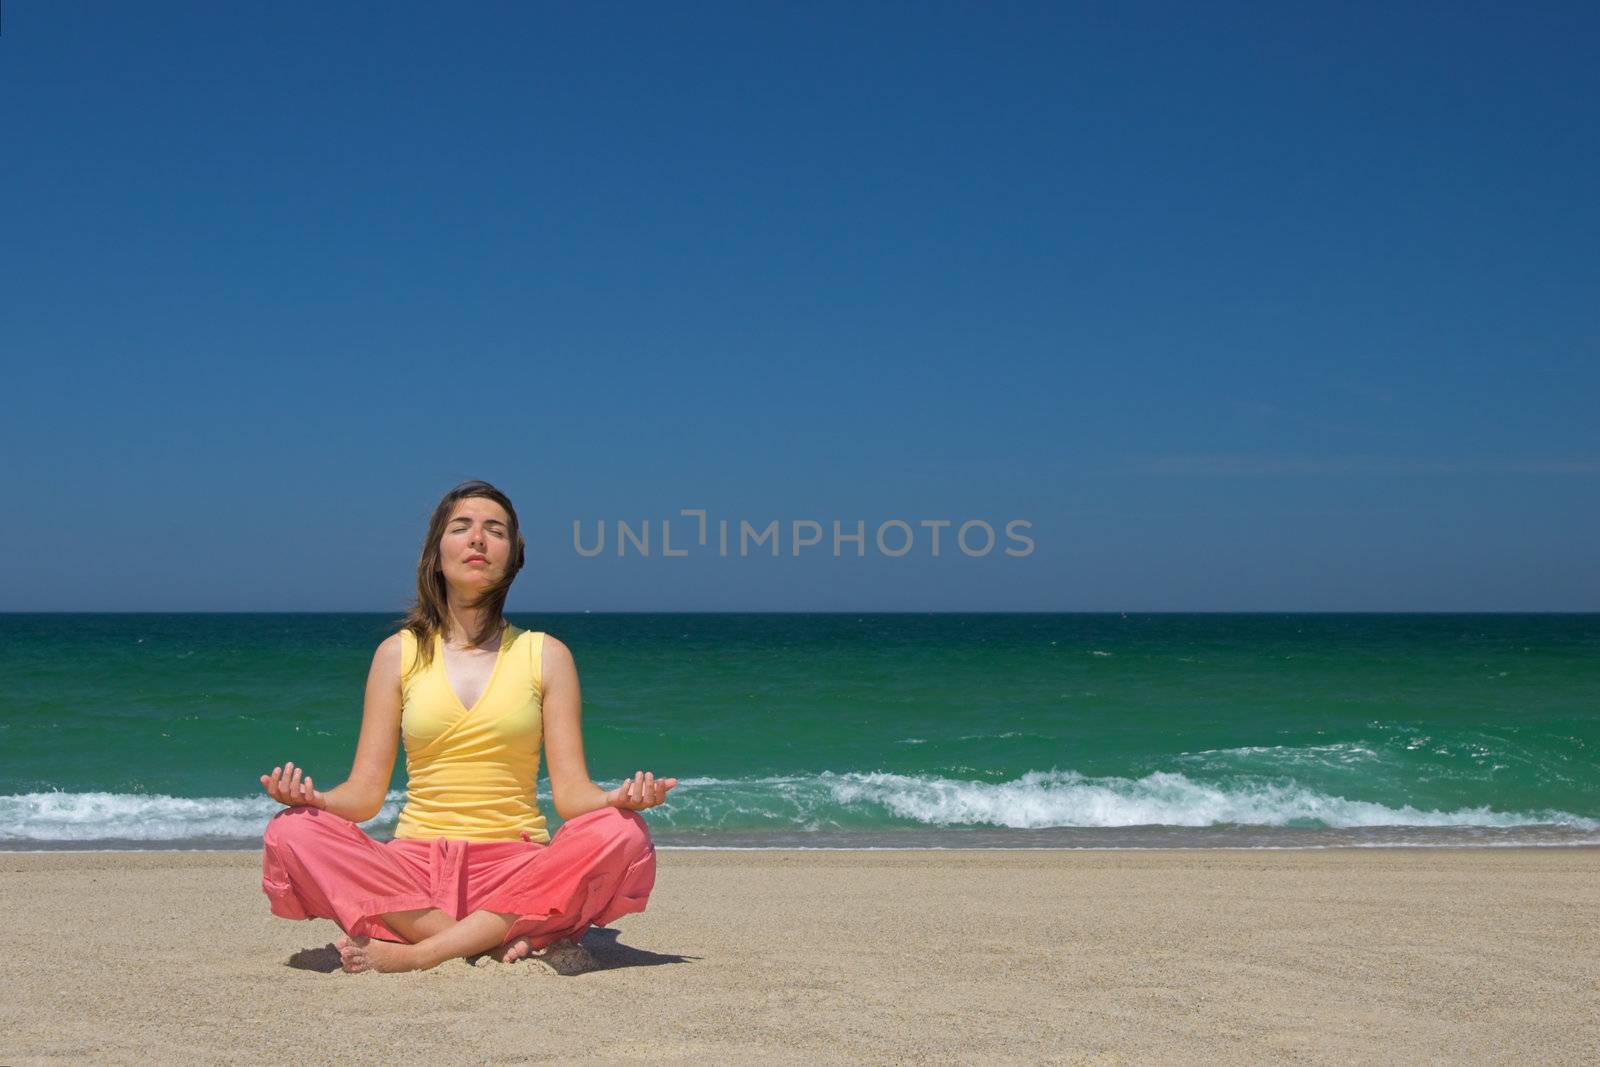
{"x": 1241, "y": 307}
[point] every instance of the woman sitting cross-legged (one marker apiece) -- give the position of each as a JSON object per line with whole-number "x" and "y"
{"x": 472, "y": 868}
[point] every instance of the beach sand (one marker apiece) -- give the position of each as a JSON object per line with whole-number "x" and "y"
{"x": 1336, "y": 956}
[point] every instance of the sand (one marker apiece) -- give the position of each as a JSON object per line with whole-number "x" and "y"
{"x": 1336, "y": 956}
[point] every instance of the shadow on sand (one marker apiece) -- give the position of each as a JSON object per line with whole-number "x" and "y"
{"x": 609, "y": 954}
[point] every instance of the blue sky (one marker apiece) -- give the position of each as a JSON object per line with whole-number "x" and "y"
{"x": 1240, "y": 307}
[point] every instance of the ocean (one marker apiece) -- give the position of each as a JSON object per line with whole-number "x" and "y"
{"x": 862, "y": 730}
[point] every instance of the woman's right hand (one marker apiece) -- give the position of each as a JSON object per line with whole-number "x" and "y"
{"x": 286, "y": 786}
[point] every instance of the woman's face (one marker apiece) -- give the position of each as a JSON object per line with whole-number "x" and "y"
{"x": 476, "y": 547}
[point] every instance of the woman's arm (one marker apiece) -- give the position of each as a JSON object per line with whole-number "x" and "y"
{"x": 360, "y": 797}
{"x": 570, "y": 787}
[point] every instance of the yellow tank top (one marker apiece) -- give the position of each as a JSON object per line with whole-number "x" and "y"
{"x": 471, "y": 772}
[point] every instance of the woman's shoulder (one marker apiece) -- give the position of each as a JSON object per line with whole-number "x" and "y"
{"x": 555, "y": 658}
{"x": 397, "y": 651}
{"x": 391, "y": 646}
{"x": 551, "y": 643}
{"x": 397, "y": 642}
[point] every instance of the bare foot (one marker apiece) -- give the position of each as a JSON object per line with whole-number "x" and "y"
{"x": 357, "y": 954}
{"x": 512, "y": 951}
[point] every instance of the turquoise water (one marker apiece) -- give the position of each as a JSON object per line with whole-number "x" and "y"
{"x": 878, "y": 730}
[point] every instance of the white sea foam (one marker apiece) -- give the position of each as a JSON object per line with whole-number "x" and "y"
{"x": 1342, "y": 752}
{"x": 59, "y": 816}
{"x": 825, "y": 801}
{"x": 1066, "y": 798}
{"x": 1056, "y": 798}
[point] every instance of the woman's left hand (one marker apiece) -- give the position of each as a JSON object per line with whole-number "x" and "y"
{"x": 643, "y": 790}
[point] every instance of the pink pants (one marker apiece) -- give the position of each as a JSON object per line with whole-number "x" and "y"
{"x": 597, "y": 868}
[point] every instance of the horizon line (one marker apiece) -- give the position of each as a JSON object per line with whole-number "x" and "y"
{"x": 863, "y": 611}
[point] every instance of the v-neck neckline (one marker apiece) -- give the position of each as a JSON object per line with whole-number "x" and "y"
{"x": 499, "y": 657}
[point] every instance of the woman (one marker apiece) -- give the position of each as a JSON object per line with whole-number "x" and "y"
{"x": 471, "y": 868}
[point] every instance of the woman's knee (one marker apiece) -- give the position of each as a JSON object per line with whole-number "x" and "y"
{"x": 632, "y": 829}
{"x": 292, "y": 824}
{"x": 619, "y": 826}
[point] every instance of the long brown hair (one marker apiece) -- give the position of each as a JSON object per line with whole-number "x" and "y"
{"x": 429, "y": 614}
